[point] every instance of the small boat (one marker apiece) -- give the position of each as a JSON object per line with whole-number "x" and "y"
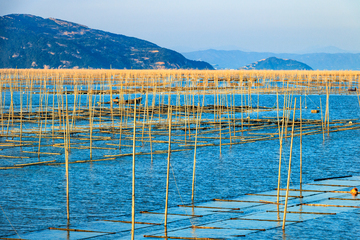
{"x": 352, "y": 89}
{"x": 129, "y": 101}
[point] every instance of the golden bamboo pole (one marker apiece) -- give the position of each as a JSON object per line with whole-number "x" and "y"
{"x": 327, "y": 108}
{"x": 168, "y": 168}
{"x": 90, "y": 119}
{"x": 219, "y": 111}
{"x": 144, "y": 118}
{"x": 10, "y": 111}
{"x": 281, "y": 134}
{"x": 66, "y": 131}
{"x": 242, "y": 106}
{"x": 21, "y": 115}
{"x": 74, "y": 109}
{"x": 40, "y": 130}
{"x": 53, "y": 116}
{"x": 233, "y": 111}
{"x": 46, "y": 106}
{"x": 289, "y": 171}
{"x": 322, "y": 123}
{"x": 121, "y": 111}
{"x": 111, "y": 104}
{"x": 2, "y": 107}
{"x": 300, "y": 147}
{"x": 194, "y": 167}
{"x": 12, "y": 105}
{"x": 229, "y": 119}
{"x": 133, "y": 179}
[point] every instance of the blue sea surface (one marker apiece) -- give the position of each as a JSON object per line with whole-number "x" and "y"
{"x": 34, "y": 198}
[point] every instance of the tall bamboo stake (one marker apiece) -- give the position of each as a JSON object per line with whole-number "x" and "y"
{"x": 300, "y": 147}
{"x": 1, "y": 109}
{"x": 233, "y": 111}
{"x": 90, "y": 120}
{"x": 229, "y": 119}
{"x": 168, "y": 168}
{"x": 11, "y": 109}
{"x": 53, "y": 115}
{"x": 327, "y": 123}
{"x": 74, "y": 109}
{"x": 289, "y": 171}
{"x": 194, "y": 167}
{"x": 66, "y": 130}
{"x": 133, "y": 179}
{"x": 121, "y": 100}
{"x": 111, "y": 105}
{"x": 21, "y": 115}
{"x": 40, "y": 130}
{"x": 322, "y": 123}
{"x": 219, "y": 114}
{"x": 242, "y": 106}
{"x": 281, "y": 134}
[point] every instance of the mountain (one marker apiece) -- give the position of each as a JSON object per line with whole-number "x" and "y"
{"x": 328, "y": 49}
{"x": 274, "y": 63}
{"x": 28, "y": 41}
{"x": 221, "y": 59}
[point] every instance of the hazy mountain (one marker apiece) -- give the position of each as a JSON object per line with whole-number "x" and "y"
{"x": 273, "y": 63}
{"x": 235, "y": 59}
{"x": 28, "y": 41}
{"x": 328, "y": 49}
{"x": 222, "y": 59}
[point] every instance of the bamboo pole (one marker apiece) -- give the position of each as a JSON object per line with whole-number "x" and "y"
{"x": 111, "y": 104}
{"x": 150, "y": 138}
{"x": 219, "y": 113}
{"x": 133, "y": 179}
{"x": 53, "y": 115}
{"x": 122, "y": 112}
{"x": 66, "y": 143}
{"x": 242, "y": 105}
{"x": 229, "y": 118}
{"x": 40, "y": 130}
{"x": 194, "y": 167}
{"x": 289, "y": 172}
{"x": 168, "y": 168}
{"x": 185, "y": 117}
{"x": 21, "y": 115}
{"x": 2, "y": 107}
{"x": 300, "y": 147}
{"x": 327, "y": 108}
{"x": 12, "y": 105}
{"x": 144, "y": 118}
{"x": 10, "y": 111}
{"x": 281, "y": 134}
{"x": 90, "y": 118}
{"x": 74, "y": 108}
{"x": 322, "y": 122}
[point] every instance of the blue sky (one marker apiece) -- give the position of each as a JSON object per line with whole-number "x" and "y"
{"x": 251, "y": 25}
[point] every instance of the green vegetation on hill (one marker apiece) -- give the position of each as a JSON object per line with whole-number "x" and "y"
{"x": 28, "y": 41}
{"x": 273, "y": 63}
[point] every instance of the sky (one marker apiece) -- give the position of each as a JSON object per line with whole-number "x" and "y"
{"x": 280, "y": 26}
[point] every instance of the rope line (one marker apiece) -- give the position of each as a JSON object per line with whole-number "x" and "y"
{"x": 172, "y": 169}
{"x": 9, "y": 221}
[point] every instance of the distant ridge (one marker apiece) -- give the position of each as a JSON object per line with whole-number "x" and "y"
{"x": 328, "y": 49}
{"x": 234, "y": 59}
{"x": 274, "y": 63}
{"x": 28, "y": 41}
